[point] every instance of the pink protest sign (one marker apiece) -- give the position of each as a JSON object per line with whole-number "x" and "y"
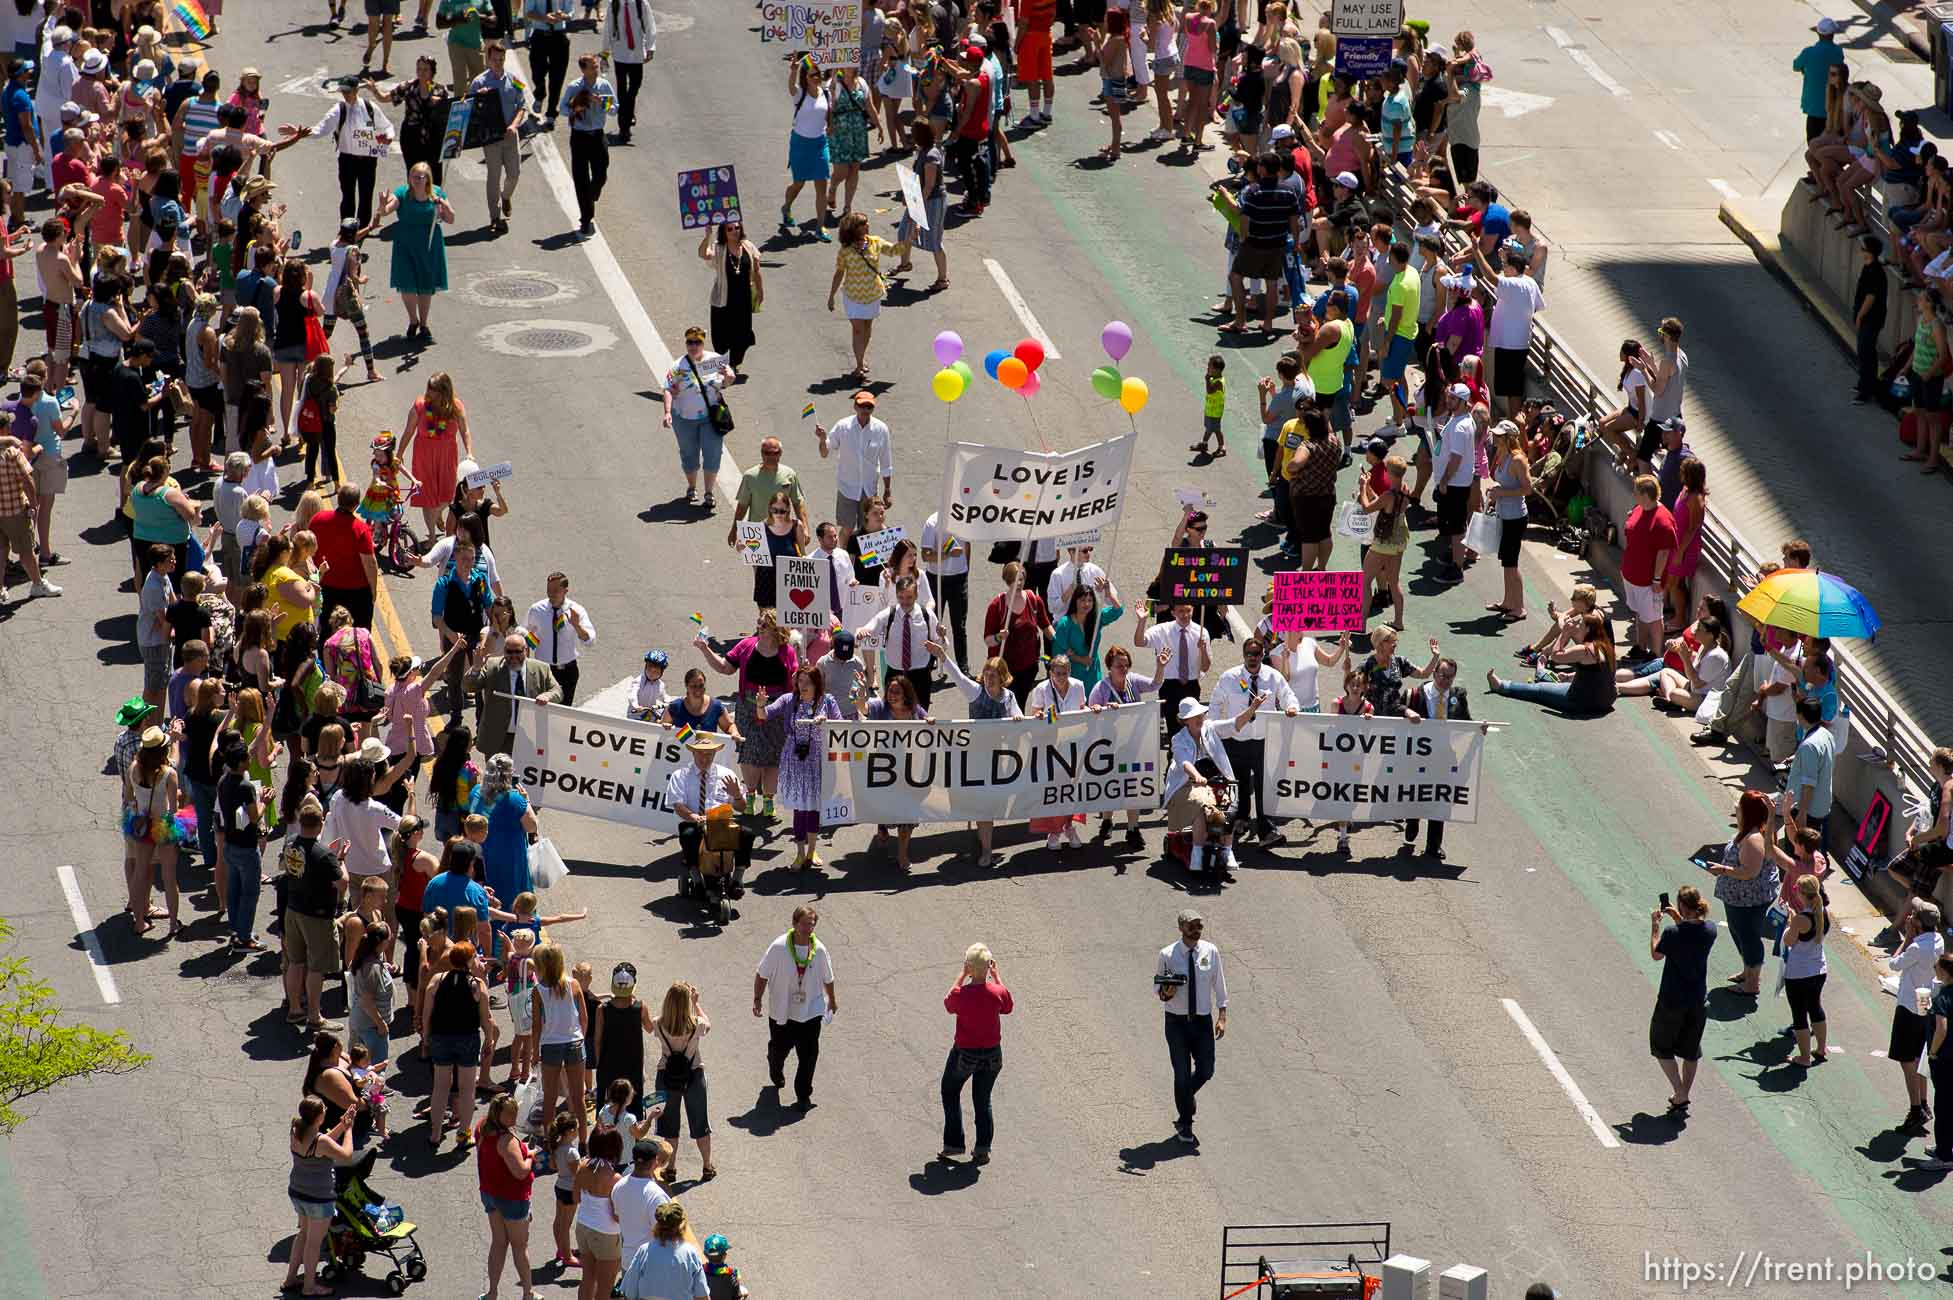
{"x": 1318, "y": 602}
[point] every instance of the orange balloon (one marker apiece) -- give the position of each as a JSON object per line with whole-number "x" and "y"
{"x": 1012, "y": 373}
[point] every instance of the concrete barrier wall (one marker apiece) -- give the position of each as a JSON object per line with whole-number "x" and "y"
{"x": 1829, "y": 262}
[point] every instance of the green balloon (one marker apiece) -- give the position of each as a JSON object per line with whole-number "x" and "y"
{"x": 1107, "y": 382}
{"x": 963, "y": 368}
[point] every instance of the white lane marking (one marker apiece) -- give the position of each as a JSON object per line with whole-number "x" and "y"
{"x": 637, "y": 322}
{"x": 1022, "y": 308}
{"x": 1723, "y": 188}
{"x": 1587, "y": 64}
{"x": 104, "y": 978}
{"x": 1513, "y": 103}
{"x": 1670, "y": 139}
{"x": 1558, "y": 1071}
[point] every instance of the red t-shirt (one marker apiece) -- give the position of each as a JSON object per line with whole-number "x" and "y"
{"x": 343, "y": 538}
{"x": 106, "y": 226}
{"x": 979, "y": 127}
{"x": 1648, "y": 533}
{"x": 979, "y": 1009}
{"x": 69, "y": 170}
{"x": 1363, "y": 278}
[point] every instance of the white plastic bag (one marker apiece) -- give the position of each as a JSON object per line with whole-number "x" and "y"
{"x": 1356, "y": 523}
{"x": 529, "y": 1107}
{"x": 1482, "y": 533}
{"x": 546, "y": 866}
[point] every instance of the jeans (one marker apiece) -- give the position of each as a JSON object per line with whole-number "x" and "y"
{"x": 1649, "y": 669}
{"x": 589, "y": 169}
{"x": 981, "y": 1064}
{"x": 1245, "y": 756}
{"x": 204, "y": 797}
{"x": 802, "y": 1036}
{"x": 698, "y": 442}
{"x": 1746, "y": 931}
{"x": 1551, "y": 694}
{"x": 242, "y": 863}
{"x": 549, "y": 63}
{"x": 356, "y": 177}
{"x": 629, "y": 77}
{"x": 1190, "y": 1046}
{"x": 967, "y": 156}
{"x": 1868, "y": 358}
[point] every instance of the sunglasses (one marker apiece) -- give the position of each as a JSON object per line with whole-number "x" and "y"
{"x": 776, "y": 511}
{"x": 1197, "y": 528}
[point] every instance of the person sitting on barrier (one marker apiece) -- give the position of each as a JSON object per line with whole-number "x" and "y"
{"x": 1922, "y": 868}
{"x": 692, "y": 793}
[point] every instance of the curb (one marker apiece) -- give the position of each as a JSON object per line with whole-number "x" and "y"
{"x": 1768, "y": 248}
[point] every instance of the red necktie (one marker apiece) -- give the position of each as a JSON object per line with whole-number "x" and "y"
{"x": 630, "y": 37}
{"x": 1186, "y": 667}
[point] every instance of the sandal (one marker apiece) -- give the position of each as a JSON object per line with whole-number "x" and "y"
{"x": 936, "y": 285}
{"x": 708, "y": 1173}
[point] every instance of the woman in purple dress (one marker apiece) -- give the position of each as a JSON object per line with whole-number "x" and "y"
{"x": 801, "y": 712}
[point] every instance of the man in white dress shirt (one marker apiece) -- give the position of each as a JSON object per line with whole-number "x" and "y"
{"x": 694, "y": 791}
{"x": 1232, "y": 691}
{"x": 560, "y": 628}
{"x": 1190, "y": 982}
{"x": 1197, "y": 760}
{"x": 1188, "y": 655}
{"x": 794, "y": 989}
{"x": 948, "y": 560}
{"x": 827, "y": 546}
{"x": 1076, "y": 571}
{"x": 864, "y": 456}
{"x": 904, "y": 631}
{"x": 362, "y": 135}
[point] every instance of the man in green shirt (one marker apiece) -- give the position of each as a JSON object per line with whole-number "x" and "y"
{"x": 1400, "y": 328}
{"x": 462, "y": 21}
{"x": 758, "y": 484}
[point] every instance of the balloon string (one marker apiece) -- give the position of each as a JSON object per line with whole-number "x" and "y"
{"x": 1042, "y": 442}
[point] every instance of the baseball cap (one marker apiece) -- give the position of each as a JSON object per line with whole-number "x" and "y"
{"x": 1282, "y": 131}
{"x": 1348, "y": 180}
{"x": 644, "y": 1151}
{"x": 1828, "y": 27}
{"x": 865, "y": 395}
{"x": 1673, "y": 424}
{"x": 1460, "y": 392}
{"x": 716, "y": 1244}
{"x": 979, "y": 42}
{"x": 1191, "y": 916}
{"x": 844, "y": 641}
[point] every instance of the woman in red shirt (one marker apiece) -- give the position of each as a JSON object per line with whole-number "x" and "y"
{"x": 507, "y": 1171}
{"x": 1014, "y": 627}
{"x": 979, "y": 1001}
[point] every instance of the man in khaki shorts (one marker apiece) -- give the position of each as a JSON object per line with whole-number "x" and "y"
{"x": 315, "y": 880}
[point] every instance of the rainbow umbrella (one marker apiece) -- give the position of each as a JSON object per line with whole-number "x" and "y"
{"x": 1812, "y": 603}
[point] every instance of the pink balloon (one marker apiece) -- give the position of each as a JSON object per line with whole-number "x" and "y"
{"x": 1030, "y": 386}
{"x": 1116, "y": 339}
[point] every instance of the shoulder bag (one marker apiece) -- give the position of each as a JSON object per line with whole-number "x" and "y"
{"x": 717, "y": 413}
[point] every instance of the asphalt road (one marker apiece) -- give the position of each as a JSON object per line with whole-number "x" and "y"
{"x": 1374, "y": 1069}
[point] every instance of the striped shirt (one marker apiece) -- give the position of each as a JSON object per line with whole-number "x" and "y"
{"x": 1266, "y": 210}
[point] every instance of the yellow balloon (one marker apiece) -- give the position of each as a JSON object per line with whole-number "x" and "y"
{"x": 1133, "y": 395}
{"x": 947, "y": 385}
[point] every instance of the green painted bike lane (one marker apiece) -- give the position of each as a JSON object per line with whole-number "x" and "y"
{"x": 1540, "y": 770}
{"x": 20, "y": 1271}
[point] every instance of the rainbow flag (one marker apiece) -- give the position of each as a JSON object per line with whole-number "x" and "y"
{"x": 195, "y": 21}
{"x": 684, "y": 732}
{"x": 698, "y": 619}
{"x": 533, "y": 640}
{"x": 806, "y": 410}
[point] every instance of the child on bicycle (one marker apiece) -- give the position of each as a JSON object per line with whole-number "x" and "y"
{"x": 388, "y": 488}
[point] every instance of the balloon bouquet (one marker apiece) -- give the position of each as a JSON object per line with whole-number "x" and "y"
{"x": 1017, "y": 369}
{"x": 1129, "y": 391}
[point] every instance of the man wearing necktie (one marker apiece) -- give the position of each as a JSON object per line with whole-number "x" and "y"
{"x": 1187, "y": 657}
{"x": 630, "y": 42}
{"x": 693, "y": 792}
{"x": 1189, "y": 981}
{"x": 508, "y": 683}
{"x": 1232, "y": 691}
{"x": 561, "y": 629}
{"x": 1442, "y": 700}
{"x": 905, "y": 630}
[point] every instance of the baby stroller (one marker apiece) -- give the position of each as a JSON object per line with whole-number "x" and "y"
{"x": 363, "y": 1223}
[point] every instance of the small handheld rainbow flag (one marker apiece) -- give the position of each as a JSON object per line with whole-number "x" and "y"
{"x": 560, "y": 620}
{"x": 806, "y": 410}
{"x": 530, "y": 636}
{"x": 698, "y": 621}
{"x": 195, "y": 21}
{"x": 684, "y": 732}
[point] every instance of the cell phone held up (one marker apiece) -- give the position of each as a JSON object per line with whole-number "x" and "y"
{"x": 1664, "y": 902}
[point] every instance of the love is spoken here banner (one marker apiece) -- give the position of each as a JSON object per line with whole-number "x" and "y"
{"x": 1004, "y": 494}
{"x": 615, "y": 769}
{"x": 895, "y": 772}
{"x": 1330, "y": 768}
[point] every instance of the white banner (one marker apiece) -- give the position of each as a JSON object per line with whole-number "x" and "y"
{"x": 576, "y": 761}
{"x": 1003, "y": 494}
{"x": 1366, "y": 17}
{"x": 912, "y": 195}
{"x": 895, "y": 772}
{"x": 859, "y": 605}
{"x": 1326, "y": 767}
{"x": 803, "y": 588}
{"x": 492, "y": 474}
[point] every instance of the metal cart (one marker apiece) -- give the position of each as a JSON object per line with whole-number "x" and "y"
{"x": 1290, "y": 1261}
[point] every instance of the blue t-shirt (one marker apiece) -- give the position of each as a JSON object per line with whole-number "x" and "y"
{"x": 452, "y": 890}
{"x": 18, "y": 101}
{"x": 1826, "y": 697}
{"x": 1350, "y": 296}
{"x": 664, "y": 1270}
{"x": 1685, "y": 963}
{"x": 708, "y": 720}
{"x": 1815, "y": 61}
{"x": 1397, "y": 123}
{"x": 47, "y": 413}
{"x": 1498, "y": 220}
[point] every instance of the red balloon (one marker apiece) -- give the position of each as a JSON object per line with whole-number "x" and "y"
{"x": 1031, "y": 353}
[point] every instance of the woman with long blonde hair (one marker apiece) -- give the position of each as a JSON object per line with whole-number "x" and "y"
{"x": 1804, "y": 969}
{"x": 436, "y": 438}
{"x": 681, "y": 1076}
{"x": 558, "y": 1009}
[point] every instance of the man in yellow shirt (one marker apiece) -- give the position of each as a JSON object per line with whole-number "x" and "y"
{"x": 1400, "y": 328}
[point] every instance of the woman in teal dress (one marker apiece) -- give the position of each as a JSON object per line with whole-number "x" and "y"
{"x": 850, "y": 117}
{"x": 420, "y": 254}
{"x": 1076, "y": 635}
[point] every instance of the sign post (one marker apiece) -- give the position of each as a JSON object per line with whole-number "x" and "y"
{"x": 1364, "y": 30}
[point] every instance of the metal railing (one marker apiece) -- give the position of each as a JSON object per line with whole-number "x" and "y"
{"x": 1575, "y": 390}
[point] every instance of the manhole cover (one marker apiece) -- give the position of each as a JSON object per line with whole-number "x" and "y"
{"x": 553, "y": 339}
{"x": 517, "y": 288}
{"x": 549, "y": 340}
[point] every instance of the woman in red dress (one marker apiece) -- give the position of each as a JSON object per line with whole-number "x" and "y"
{"x": 437, "y": 437}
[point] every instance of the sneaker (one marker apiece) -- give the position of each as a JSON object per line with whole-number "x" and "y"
{"x": 1185, "y": 1133}
{"x": 324, "y": 1027}
{"x": 44, "y": 588}
{"x": 948, "y": 1152}
{"x": 1930, "y": 1162}
{"x": 981, "y": 1156}
{"x": 4, "y": 595}
{"x": 1134, "y": 840}
{"x": 706, "y": 503}
{"x": 587, "y": 228}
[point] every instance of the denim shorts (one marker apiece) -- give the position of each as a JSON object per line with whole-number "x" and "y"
{"x": 376, "y": 1041}
{"x": 513, "y": 1211}
{"x": 457, "y": 1050}
{"x": 312, "y": 1210}
{"x": 564, "y": 1054}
